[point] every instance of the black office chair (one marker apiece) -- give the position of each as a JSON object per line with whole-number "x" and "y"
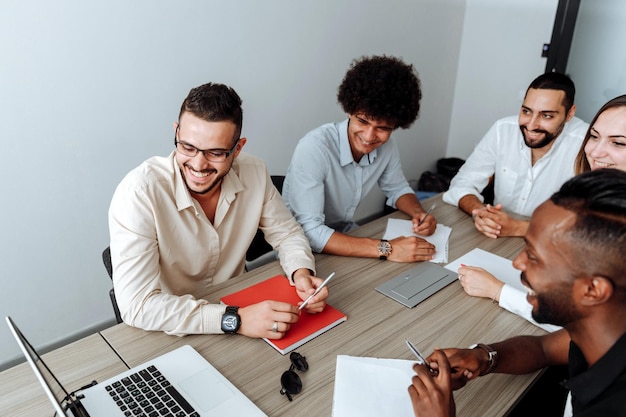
{"x": 106, "y": 259}
{"x": 259, "y": 248}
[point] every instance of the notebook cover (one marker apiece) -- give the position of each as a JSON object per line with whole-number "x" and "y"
{"x": 308, "y": 325}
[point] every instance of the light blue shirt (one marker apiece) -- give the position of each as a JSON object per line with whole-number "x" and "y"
{"x": 324, "y": 185}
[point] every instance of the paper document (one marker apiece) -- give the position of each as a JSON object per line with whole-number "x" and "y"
{"x": 399, "y": 227}
{"x": 498, "y": 266}
{"x": 372, "y": 387}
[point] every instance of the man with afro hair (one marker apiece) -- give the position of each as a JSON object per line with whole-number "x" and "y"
{"x": 336, "y": 165}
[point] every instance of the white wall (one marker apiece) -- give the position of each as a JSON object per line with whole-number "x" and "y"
{"x": 597, "y": 61}
{"x": 90, "y": 89}
{"x": 500, "y": 56}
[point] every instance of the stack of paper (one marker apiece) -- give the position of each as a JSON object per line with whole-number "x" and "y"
{"x": 372, "y": 387}
{"x": 399, "y": 227}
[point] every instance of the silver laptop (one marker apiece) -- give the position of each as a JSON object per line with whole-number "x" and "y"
{"x": 417, "y": 284}
{"x": 179, "y": 383}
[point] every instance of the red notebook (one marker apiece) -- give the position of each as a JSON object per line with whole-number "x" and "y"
{"x": 308, "y": 325}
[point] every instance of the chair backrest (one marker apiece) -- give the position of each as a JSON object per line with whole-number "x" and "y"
{"x": 259, "y": 246}
{"x": 106, "y": 260}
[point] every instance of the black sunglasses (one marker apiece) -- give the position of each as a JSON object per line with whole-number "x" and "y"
{"x": 290, "y": 381}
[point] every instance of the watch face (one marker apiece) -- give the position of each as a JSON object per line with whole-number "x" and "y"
{"x": 384, "y": 248}
{"x": 229, "y": 322}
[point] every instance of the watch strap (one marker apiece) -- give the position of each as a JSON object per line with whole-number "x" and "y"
{"x": 493, "y": 357}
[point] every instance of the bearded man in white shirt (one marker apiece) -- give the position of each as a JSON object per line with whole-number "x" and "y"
{"x": 528, "y": 157}
{"x": 181, "y": 223}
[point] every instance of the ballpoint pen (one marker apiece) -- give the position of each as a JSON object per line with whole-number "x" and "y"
{"x": 317, "y": 290}
{"x": 430, "y": 210}
{"x": 420, "y": 359}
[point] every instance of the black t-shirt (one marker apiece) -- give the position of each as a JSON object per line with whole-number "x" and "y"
{"x": 601, "y": 389}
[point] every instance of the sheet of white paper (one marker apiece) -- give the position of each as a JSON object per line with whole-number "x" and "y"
{"x": 399, "y": 227}
{"x": 498, "y": 266}
{"x": 372, "y": 387}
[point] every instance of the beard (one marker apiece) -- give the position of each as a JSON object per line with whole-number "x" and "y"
{"x": 206, "y": 188}
{"x": 555, "y": 307}
{"x": 548, "y": 137}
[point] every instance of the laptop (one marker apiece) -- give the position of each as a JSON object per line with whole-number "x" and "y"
{"x": 417, "y": 284}
{"x": 180, "y": 383}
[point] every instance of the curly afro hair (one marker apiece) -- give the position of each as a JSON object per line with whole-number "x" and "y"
{"x": 383, "y": 88}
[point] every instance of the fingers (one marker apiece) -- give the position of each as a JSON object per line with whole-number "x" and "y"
{"x": 411, "y": 249}
{"x": 270, "y": 319}
{"x": 427, "y": 227}
{"x": 307, "y": 286}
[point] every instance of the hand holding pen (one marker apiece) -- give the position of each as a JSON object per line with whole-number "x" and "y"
{"x": 420, "y": 358}
{"x": 317, "y": 290}
{"x": 424, "y": 227}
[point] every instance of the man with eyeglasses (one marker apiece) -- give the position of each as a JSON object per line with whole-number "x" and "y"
{"x": 182, "y": 223}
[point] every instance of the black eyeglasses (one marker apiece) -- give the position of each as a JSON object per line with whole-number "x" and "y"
{"x": 290, "y": 381}
{"x": 211, "y": 155}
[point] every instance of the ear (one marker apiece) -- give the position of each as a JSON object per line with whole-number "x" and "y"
{"x": 175, "y": 127}
{"x": 571, "y": 113}
{"x": 240, "y": 145}
{"x": 595, "y": 290}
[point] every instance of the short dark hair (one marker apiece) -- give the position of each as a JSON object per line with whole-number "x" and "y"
{"x": 383, "y": 88}
{"x": 582, "y": 164}
{"x": 556, "y": 81}
{"x": 598, "y": 199}
{"x": 214, "y": 103}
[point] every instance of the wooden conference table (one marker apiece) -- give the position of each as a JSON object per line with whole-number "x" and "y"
{"x": 376, "y": 327}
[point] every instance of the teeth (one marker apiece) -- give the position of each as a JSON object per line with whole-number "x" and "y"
{"x": 603, "y": 164}
{"x": 199, "y": 174}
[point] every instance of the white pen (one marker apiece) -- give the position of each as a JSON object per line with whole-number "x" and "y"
{"x": 317, "y": 290}
{"x": 430, "y": 210}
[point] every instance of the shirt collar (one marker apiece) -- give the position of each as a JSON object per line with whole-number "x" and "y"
{"x": 345, "y": 153}
{"x": 587, "y": 383}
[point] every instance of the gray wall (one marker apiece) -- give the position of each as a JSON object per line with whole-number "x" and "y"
{"x": 90, "y": 90}
{"x": 597, "y": 61}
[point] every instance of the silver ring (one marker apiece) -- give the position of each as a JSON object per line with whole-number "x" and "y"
{"x": 275, "y": 327}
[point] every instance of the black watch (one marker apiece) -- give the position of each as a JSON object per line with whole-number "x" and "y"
{"x": 384, "y": 249}
{"x": 231, "y": 320}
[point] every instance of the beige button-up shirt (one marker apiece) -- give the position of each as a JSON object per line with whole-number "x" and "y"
{"x": 165, "y": 251}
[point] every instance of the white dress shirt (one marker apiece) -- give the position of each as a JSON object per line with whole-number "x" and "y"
{"x": 165, "y": 251}
{"x": 520, "y": 186}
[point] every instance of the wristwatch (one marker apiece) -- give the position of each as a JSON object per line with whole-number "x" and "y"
{"x": 493, "y": 356}
{"x": 231, "y": 320}
{"x": 384, "y": 249}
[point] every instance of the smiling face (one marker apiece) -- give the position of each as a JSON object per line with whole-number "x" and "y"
{"x": 202, "y": 176}
{"x": 606, "y": 146}
{"x": 542, "y": 117}
{"x": 545, "y": 266}
{"x": 366, "y": 134}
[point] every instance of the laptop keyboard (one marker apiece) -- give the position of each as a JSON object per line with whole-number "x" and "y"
{"x": 148, "y": 393}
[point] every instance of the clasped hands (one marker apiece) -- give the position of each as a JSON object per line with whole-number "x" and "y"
{"x": 431, "y": 392}
{"x": 493, "y": 222}
{"x": 272, "y": 319}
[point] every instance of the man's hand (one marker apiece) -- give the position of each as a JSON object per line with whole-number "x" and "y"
{"x": 411, "y": 249}
{"x": 428, "y": 226}
{"x": 465, "y": 364}
{"x": 479, "y": 283}
{"x": 431, "y": 395}
{"x": 258, "y": 319}
{"x": 493, "y": 222}
{"x": 306, "y": 285}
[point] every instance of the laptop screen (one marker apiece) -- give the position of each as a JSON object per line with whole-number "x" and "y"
{"x": 57, "y": 394}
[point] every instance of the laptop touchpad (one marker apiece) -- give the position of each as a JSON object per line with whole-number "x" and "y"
{"x": 205, "y": 391}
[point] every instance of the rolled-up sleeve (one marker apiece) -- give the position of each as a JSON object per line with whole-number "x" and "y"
{"x": 474, "y": 175}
